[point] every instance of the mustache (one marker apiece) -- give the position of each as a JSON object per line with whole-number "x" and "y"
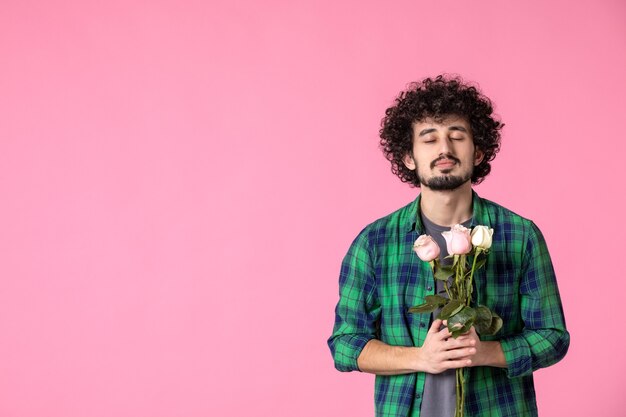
{"x": 442, "y": 157}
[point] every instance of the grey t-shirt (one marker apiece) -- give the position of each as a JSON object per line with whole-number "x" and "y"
{"x": 439, "y": 396}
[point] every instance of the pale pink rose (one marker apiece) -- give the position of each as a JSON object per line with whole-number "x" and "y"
{"x": 458, "y": 240}
{"x": 426, "y": 248}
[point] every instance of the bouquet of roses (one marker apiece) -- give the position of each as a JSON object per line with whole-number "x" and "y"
{"x": 466, "y": 248}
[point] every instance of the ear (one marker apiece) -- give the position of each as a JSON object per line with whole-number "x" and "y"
{"x": 409, "y": 162}
{"x": 478, "y": 156}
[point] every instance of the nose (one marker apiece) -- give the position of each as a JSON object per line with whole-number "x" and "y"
{"x": 445, "y": 146}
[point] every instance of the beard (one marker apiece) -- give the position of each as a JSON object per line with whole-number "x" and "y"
{"x": 445, "y": 182}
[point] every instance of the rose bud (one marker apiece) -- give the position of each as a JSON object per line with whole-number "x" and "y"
{"x": 426, "y": 248}
{"x": 482, "y": 237}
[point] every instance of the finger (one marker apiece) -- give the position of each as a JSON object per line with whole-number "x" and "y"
{"x": 444, "y": 333}
{"x": 461, "y": 353}
{"x": 434, "y": 328}
{"x": 457, "y": 363}
{"x": 453, "y": 343}
{"x": 466, "y": 336}
{"x": 472, "y": 336}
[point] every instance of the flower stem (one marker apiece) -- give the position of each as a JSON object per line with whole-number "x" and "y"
{"x": 460, "y": 393}
{"x": 459, "y": 277}
{"x": 445, "y": 285}
{"x": 471, "y": 278}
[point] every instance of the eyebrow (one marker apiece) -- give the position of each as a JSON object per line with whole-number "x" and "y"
{"x": 453, "y": 128}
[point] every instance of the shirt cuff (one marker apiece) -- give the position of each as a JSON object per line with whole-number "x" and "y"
{"x": 347, "y": 352}
{"x": 518, "y": 356}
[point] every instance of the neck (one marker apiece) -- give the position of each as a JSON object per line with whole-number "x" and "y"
{"x": 447, "y": 208}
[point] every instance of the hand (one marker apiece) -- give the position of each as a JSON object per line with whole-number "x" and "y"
{"x": 441, "y": 351}
{"x": 487, "y": 353}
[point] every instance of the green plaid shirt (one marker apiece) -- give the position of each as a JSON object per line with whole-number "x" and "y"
{"x": 381, "y": 277}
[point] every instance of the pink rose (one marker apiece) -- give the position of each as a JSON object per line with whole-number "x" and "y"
{"x": 458, "y": 240}
{"x": 426, "y": 248}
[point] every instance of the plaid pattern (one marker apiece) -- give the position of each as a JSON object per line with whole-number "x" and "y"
{"x": 381, "y": 277}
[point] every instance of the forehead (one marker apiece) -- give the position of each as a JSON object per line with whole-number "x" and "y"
{"x": 441, "y": 123}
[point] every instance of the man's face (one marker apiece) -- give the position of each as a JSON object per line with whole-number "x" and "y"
{"x": 443, "y": 153}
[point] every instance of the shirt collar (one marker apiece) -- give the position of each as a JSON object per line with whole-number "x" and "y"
{"x": 479, "y": 214}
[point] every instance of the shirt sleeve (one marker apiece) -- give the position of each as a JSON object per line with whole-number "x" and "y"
{"x": 544, "y": 340}
{"x": 357, "y": 311}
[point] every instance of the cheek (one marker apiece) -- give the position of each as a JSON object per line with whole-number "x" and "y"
{"x": 422, "y": 166}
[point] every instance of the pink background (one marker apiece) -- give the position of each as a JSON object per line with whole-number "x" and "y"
{"x": 180, "y": 181}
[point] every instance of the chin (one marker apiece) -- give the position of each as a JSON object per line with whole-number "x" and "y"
{"x": 445, "y": 183}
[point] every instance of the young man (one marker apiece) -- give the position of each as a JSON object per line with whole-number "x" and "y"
{"x": 441, "y": 136}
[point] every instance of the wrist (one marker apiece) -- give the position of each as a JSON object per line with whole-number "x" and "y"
{"x": 418, "y": 362}
{"x": 491, "y": 355}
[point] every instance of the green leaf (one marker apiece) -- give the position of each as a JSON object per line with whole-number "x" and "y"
{"x": 453, "y": 307}
{"x": 483, "y": 319}
{"x": 431, "y": 303}
{"x": 436, "y": 300}
{"x": 496, "y": 325}
{"x": 423, "y": 308}
{"x": 444, "y": 272}
{"x": 462, "y": 321}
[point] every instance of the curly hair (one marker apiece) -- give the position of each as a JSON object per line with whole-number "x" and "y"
{"x": 438, "y": 98}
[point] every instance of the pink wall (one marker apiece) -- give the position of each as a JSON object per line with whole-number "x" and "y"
{"x": 180, "y": 181}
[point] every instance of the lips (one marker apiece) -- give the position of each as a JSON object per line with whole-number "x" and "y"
{"x": 445, "y": 163}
